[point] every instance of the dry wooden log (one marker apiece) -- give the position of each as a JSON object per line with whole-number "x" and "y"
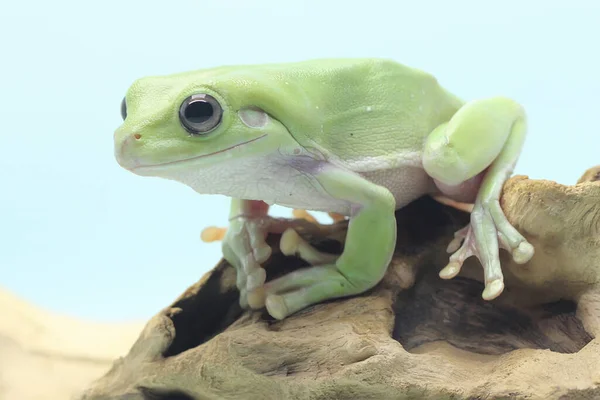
{"x": 414, "y": 336}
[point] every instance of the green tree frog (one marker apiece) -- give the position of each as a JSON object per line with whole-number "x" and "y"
{"x": 357, "y": 137}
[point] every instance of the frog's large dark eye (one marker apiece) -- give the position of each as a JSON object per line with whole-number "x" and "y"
{"x": 123, "y": 109}
{"x": 200, "y": 114}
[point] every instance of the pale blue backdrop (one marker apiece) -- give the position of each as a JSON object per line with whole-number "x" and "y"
{"x": 81, "y": 236}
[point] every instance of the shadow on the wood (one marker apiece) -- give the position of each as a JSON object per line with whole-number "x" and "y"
{"x": 204, "y": 314}
{"x": 454, "y": 311}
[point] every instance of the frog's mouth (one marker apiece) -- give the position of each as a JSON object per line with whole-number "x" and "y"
{"x": 134, "y": 166}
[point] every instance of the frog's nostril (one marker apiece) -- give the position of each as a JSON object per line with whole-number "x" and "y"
{"x": 137, "y": 136}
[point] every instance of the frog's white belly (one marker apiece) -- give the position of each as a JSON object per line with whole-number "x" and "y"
{"x": 276, "y": 180}
{"x": 405, "y": 183}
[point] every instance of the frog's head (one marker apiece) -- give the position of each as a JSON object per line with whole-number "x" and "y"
{"x": 195, "y": 120}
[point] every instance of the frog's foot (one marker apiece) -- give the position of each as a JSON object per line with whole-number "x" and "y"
{"x": 488, "y": 231}
{"x": 305, "y": 287}
{"x": 245, "y": 247}
{"x": 292, "y": 244}
{"x": 478, "y": 149}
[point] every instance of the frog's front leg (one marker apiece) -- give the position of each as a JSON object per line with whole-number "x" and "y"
{"x": 245, "y": 248}
{"x": 369, "y": 246}
{"x": 481, "y": 143}
{"x": 244, "y": 245}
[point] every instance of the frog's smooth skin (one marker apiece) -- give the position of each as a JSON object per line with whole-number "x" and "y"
{"x": 358, "y": 137}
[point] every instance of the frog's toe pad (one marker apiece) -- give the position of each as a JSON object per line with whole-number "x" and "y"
{"x": 276, "y": 306}
{"x": 290, "y": 242}
{"x": 459, "y": 236}
{"x": 256, "y": 298}
{"x": 450, "y": 270}
{"x": 523, "y": 253}
{"x": 212, "y": 234}
{"x": 493, "y": 289}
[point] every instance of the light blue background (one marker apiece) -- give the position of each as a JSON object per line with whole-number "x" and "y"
{"x": 81, "y": 236}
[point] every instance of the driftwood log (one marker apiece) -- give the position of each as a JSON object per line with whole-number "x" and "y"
{"x": 414, "y": 336}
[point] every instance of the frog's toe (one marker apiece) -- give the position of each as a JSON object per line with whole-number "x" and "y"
{"x": 450, "y": 270}
{"x": 249, "y": 273}
{"x": 256, "y": 298}
{"x": 493, "y": 289}
{"x": 485, "y": 248}
{"x": 523, "y": 253}
{"x": 459, "y": 236}
{"x": 510, "y": 239}
{"x": 462, "y": 246}
{"x": 243, "y": 299}
{"x": 488, "y": 232}
{"x": 256, "y": 279}
{"x": 261, "y": 251}
{"x": 518, "y": 247}
{"x": 306, "y": 287}
{"x": 276, "y": 307}
{"x": 292, "y": 244}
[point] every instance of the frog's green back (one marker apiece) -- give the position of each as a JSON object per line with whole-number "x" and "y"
{"x": 363, "y": 112}
{"x": 373, "y": 112}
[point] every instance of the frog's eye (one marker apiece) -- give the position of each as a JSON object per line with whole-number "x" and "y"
{"x": 200, "y": 114}
{"x": 123, "y": 109}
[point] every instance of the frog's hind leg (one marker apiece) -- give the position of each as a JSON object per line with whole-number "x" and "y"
{"x": 482, "y": 140}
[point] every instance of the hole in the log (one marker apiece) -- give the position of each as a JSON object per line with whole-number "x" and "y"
{"x": 210, "y": 311}
{"x": 453, "y": 311}
{"x": 156, "y": 394}
{"x": 422, "y": 222}
{"x": 204, "y": 315}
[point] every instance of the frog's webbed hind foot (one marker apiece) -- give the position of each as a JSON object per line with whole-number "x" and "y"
{"x": 483, "y": 139}
{"x": 488, "y": 232}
